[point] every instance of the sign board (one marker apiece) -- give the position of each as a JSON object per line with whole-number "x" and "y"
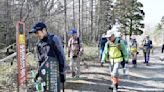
{"x": 21, "y": 52}
{"x": 49, "y": 72}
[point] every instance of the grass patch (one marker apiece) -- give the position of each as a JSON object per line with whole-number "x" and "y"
{"x": 8, "y": 72}
{"x": 90, "y": 53}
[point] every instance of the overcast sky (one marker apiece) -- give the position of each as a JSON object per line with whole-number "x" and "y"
{"x": 154, "y": 10}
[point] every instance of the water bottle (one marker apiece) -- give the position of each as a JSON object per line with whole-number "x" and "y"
{"x": 38, "y": 83}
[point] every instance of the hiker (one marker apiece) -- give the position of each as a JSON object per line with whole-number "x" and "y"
{"x": 49, "y": 45}
{"x": 120, "y": 36}
{"x": 147, "y": 46}
{"x": 75, "y": 51}
{"x": 162, "y": 48}
{"x": 101, "y": 46}
{"x": 133, "y": 51}
{"x": 115, "y": 50}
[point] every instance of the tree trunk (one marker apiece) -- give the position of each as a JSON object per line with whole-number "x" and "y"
{"x": 65, "y": 23}
{"x": 79, "y": 31}
{"x": 87, "y": 18}
{"x": 98, "y": 20}
{"x": 91, "y": 35}
{"x": 82, "y": 19}
{"x": 7, "y": 23}
{"x": 131, "y": 25}
{"x": 74, "y": 13}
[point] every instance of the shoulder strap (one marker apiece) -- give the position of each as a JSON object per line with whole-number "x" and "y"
{"x": 119, "y": 41}
{"x": 52, "y": 43}
{"x": 78, "y": 40}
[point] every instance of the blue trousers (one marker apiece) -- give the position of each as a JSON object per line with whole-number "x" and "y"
{"x": 101, "y": 53}
{"x": 147, "y": 55}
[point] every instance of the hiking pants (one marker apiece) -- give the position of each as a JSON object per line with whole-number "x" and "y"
{"x": 114, "y": 69}
{"x": 147, "y": 55}
{"x": 115, "y": 73}
{"x": 101, "y": 53}
{"x": 134, "y": 57}
{"x": 75, "y": 65}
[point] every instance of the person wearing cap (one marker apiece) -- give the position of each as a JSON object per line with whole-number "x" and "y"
{"x": 49, "y": 45}
{"x": 75, "y": 51}
{"x": 101, "y": 46}
{"x": 120, "y": 36}
{"x": 147, "y": 46}
{"x": 113, "y": 51}
{"x": 133, "y": 50}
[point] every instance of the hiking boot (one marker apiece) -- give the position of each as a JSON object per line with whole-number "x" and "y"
{"x": 73, "y": 74}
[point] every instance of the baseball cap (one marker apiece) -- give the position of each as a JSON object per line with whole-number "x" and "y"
{"x": 38, "y": 26}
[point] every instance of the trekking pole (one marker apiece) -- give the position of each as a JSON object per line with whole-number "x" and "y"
{"x": 17, "y": 83}
{"x": 63, "y": 87}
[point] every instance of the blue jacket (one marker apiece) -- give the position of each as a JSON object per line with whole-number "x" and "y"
{"x": 52, "y": 46}
{"x": 147, "y": 44}
{"x": 102, "y": 42}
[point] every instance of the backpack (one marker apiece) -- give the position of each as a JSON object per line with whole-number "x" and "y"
{"x": 75, "y": 53}
{"x": 134, "y": 44}
{"x": 123, "y": 62}
{"x": 147, "y": 44}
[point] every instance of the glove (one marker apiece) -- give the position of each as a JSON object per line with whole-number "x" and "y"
{"x": 62, "y": 78}
{"x": 36, "y": 77}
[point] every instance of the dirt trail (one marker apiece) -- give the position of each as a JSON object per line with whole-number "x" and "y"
{"x": 141, "y": 79}
{"x": 97, "y": 79}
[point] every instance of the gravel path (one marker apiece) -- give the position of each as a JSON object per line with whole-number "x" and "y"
{"x": 97, "y": 79}
{"x": 141, "y": 79}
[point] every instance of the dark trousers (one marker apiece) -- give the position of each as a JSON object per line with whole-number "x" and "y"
{"x": 134, "y": 58}
{"x": 134, "y": 62}
{"x": 147, "y": 55}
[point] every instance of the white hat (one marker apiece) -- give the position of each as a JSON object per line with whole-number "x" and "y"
{"x": 118, "y": 34}
{"x": 109, "y": 33}
{"x": 115, "y": 28}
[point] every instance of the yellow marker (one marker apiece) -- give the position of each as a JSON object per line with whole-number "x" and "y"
{"x": 21, "y": 39}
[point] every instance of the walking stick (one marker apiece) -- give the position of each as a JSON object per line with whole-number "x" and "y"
{"x": 63, "y": 87}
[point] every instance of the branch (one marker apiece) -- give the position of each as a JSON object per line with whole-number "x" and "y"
{"x": 9, "y": 57}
